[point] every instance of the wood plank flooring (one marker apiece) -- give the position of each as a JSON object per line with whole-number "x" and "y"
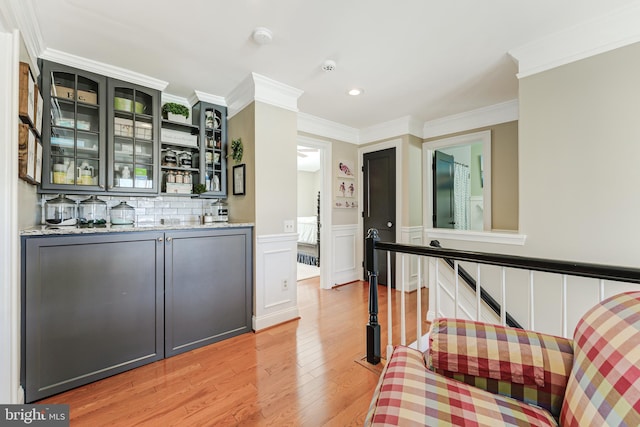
{"x": 301, "y": 373}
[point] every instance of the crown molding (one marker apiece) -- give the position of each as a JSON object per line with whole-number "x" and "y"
{"x": 481, "y": 117}
{"x": 256, "y": 87}
{"x": 275, "y": 93}
{"x": 607, "y": 32}
{"x": 103, "y": 69}
{"x": 197, "y": 96}
{"x": 167, "y": 97}
{"x": 21, "y": 15}
{"x": 240, "y": 97}
{"x": 407, "y": 125}
{"x": 328, "y": 129}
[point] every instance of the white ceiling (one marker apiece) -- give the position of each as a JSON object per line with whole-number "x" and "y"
{"x": 421, "y": 58}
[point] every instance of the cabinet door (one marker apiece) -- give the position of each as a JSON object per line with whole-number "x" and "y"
{"x": 208, "y": 287}
{"x": 74, "y": 133}
{"x": 212, "y": 120}
{"x": 92, "y": 307}
{"x": 133, "y": 137}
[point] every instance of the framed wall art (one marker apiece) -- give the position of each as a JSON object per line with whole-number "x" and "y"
{"x": 239, "y": 185}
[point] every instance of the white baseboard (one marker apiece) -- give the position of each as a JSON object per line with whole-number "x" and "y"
{"x": 275, "y": 318}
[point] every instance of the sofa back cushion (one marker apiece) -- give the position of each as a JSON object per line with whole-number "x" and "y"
{"x": 460, "y": 349}
{"x": 604, "y": 385}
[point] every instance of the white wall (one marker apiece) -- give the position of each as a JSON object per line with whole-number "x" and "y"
{"x": 9, "y": 244}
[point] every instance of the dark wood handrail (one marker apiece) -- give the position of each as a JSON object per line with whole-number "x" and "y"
{"x": 373, "y": 243}
{"x": 595, "y": 271}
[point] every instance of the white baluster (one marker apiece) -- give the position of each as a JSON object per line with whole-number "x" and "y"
{"x": 531, "y": 302}
{"x": 478, "y": 293}
{"x": 503, "y": 311}
{"x": 389, "y": 310}
{"x": 419, "y": 306}
{"x": 456, "y": 290}
{"x": 403, "y": 329}
{"x": 564, "y": 305}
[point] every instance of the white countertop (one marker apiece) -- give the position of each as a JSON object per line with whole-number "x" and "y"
{"x": 46, "y": 230}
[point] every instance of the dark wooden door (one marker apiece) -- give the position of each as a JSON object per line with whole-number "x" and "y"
{"x": 443, "y": 200}
{"x": 379, "y": 212}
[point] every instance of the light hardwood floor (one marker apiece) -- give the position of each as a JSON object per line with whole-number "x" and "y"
{"x": 301, "y": 373}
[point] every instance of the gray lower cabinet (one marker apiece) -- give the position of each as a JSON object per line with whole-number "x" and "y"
{"x": 208, "y": 287}
{"x": 100, "y": 304}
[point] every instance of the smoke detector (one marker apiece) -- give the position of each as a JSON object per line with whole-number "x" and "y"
{"x": 328, "y": 65}
{"x": 262, "y": 35}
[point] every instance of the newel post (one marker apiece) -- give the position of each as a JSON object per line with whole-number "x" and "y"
{"x": 373, "y": 328}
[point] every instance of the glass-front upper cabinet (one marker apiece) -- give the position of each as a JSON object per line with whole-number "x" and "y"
{"x": 133, "y": 132}
{"x": 74, "y": 129}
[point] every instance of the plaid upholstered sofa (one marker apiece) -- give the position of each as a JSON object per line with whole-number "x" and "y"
{"x": 476, "y": 374}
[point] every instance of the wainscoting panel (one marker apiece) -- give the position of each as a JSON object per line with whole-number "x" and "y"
{"x": 344, "y": 258}
{"x": 275, "y": 294}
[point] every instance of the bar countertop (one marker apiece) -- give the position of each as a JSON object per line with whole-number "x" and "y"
{"x": 48, "y": 230}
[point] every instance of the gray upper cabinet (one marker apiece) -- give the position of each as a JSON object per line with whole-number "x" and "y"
{"x": 133, "y": 125}
{"x": 212, "y": 121}
{"x": 74, "y": 129}
{"x": 92, "y": 307}
{"x": 99, "y": 134}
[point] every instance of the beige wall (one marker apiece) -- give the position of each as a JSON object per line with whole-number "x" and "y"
{"x": 412, "y": 181}
{"x": 504, "y": 173}
{"x": 276, "y": 172}
{"x": 28, "y": 212}
{"x": 242, "y": 125}
{"x": 341, "y": 151}
{"x": 579, "y": 154}
{"x": 308, "y": 188}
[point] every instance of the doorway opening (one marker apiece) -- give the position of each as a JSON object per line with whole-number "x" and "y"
{"x": 313, "y": 199}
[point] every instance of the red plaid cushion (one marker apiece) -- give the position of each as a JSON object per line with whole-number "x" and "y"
{"x": 557, "y": 354}
{"x": 409, "y": 394}
{"x": 486, "y": 350}
{"x": 604, "y": 386}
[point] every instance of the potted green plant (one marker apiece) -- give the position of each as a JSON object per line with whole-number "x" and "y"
{"x": 175, "y": 112}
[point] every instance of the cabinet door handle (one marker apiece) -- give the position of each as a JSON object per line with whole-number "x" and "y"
{"x": 169, "y": 239}
{"x": 160, "y": 239}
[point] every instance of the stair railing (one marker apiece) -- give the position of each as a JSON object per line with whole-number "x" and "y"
{"x": 564, "y": 268}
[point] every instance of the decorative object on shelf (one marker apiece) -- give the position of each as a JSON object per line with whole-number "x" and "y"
{"x": 199, "y": 188}
{"x": 175, "y": 112}
{"x": 239, "y": 186}
{"x": 345, "y": 192}
{"x": 211, "y": 120}
{"x": 236, "y": 150}
{"x": 345, "y": 169}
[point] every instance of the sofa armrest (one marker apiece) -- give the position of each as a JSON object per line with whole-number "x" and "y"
{"x": 526, "y": 365}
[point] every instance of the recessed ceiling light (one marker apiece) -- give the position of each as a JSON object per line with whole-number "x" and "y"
{"x": 262, "y": 35}
{"x": 355, "y": 91}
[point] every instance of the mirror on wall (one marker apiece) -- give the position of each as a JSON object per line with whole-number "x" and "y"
{"x": 459, "y": 182}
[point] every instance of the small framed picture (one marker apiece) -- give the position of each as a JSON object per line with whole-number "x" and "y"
{"x": 239, "y": 187}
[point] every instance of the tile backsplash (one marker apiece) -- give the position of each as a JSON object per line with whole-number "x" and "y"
{"x": 149, "y": 210}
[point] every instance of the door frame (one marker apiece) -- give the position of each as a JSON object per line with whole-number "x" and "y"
{"x": 397, "y": 144}
{"x": 326, "y": 243}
